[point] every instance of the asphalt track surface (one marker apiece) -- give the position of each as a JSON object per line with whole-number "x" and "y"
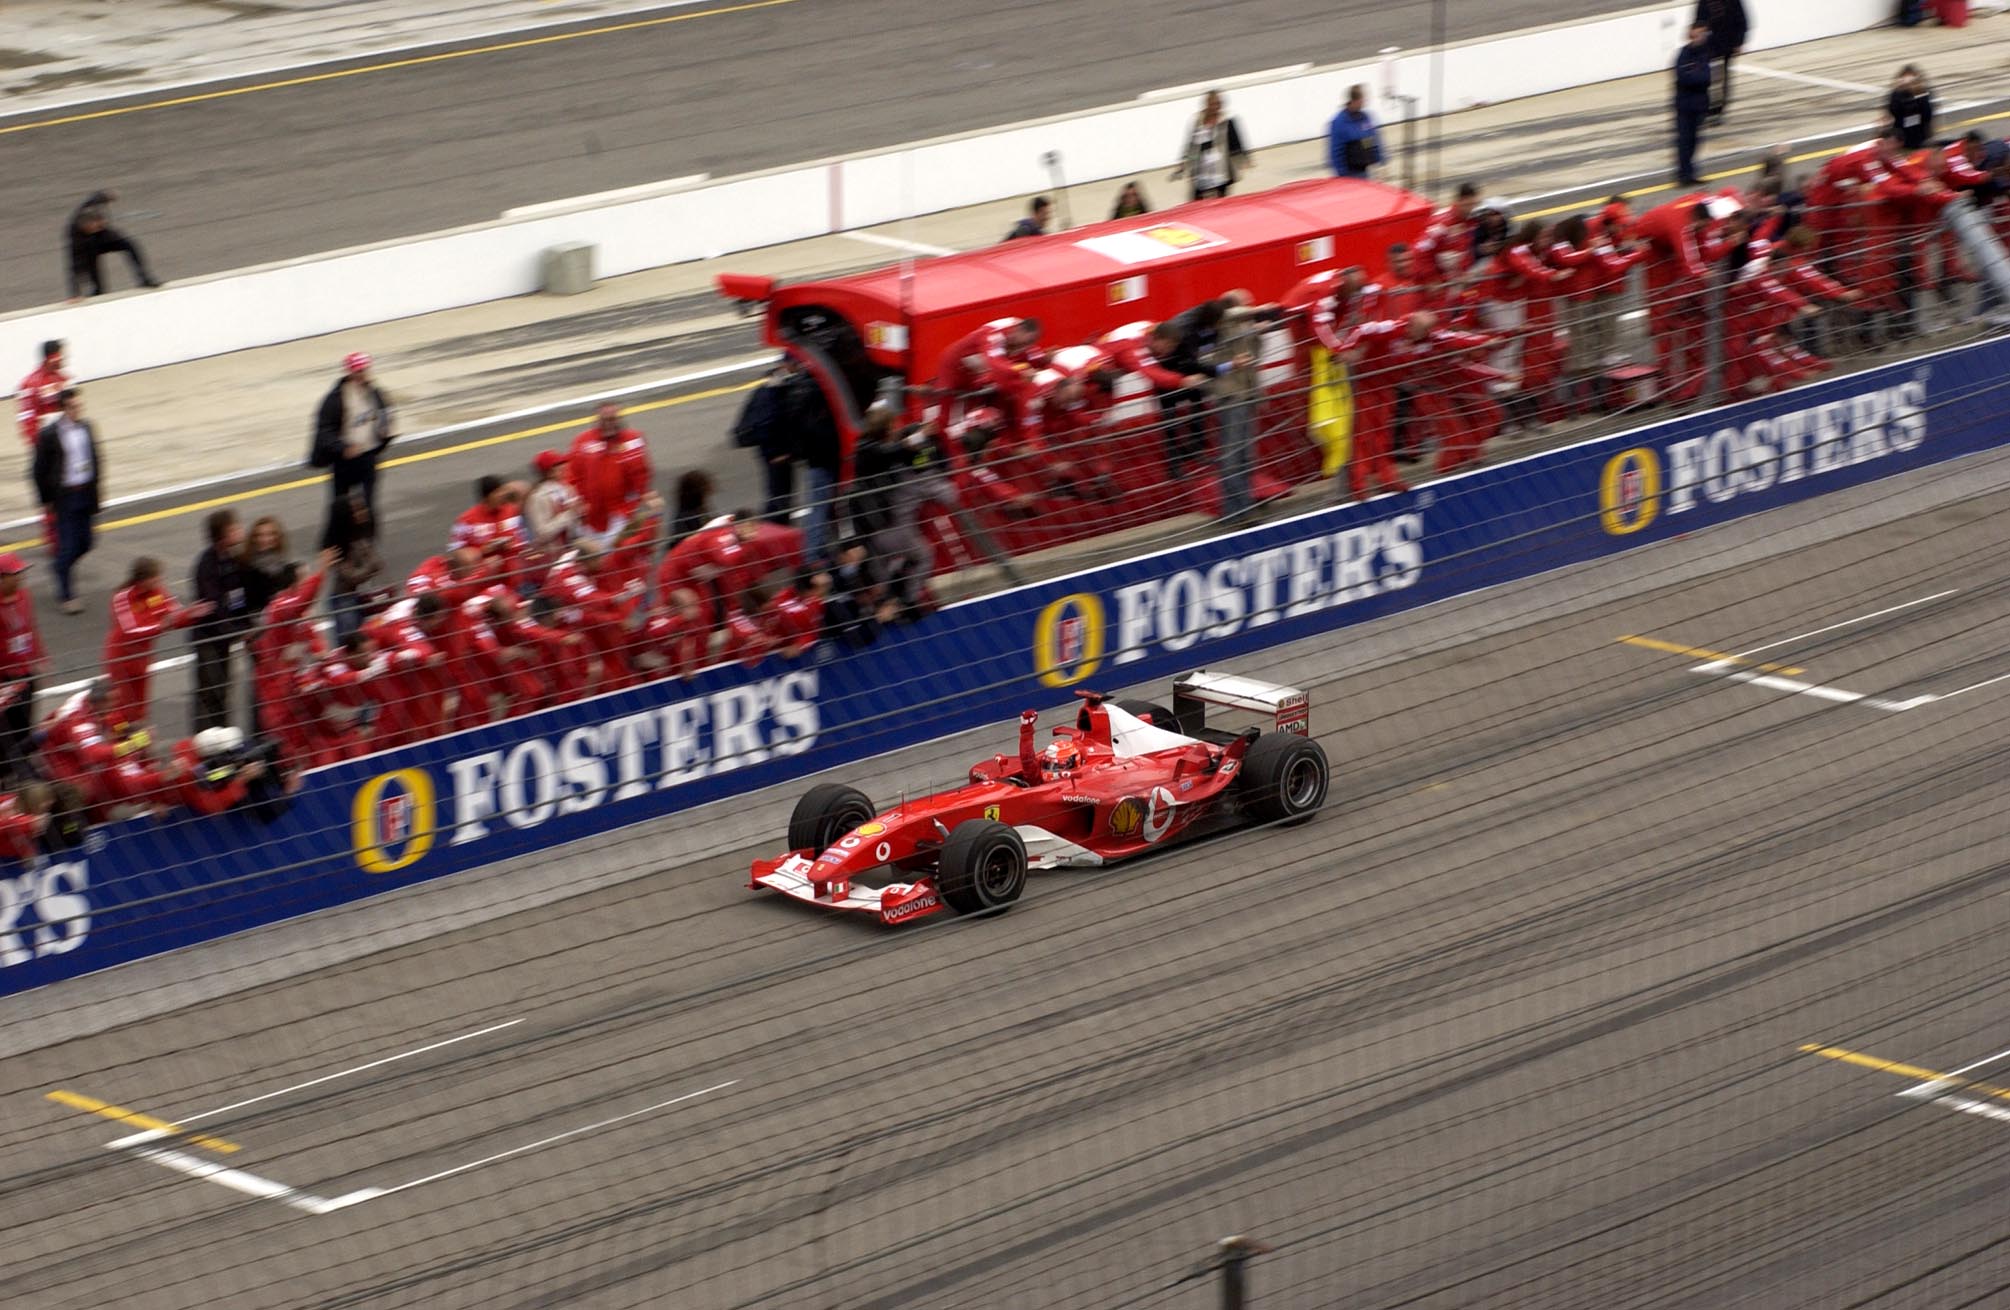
{"x": 1518, "y": 1020}
{"x": 389, "y": 148}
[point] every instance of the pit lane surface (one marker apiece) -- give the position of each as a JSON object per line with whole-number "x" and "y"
{"x": 1517, "y": 1021}
{"x": 303, "y": 163}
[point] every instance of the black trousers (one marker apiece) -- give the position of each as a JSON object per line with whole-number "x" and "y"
{"x": 1688, "y": 134}
{"x": 1720, "y": 90}
{"x": 87, "y": 255}
{"x": 781, "y": 489}
{"x": 212, "y": 683}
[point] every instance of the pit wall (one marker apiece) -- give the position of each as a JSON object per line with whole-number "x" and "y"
{"x": 702, "y": 218}
{"x": 456, "y": 804}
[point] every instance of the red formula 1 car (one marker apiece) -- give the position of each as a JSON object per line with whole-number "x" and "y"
{"x": 1125, "y": 779}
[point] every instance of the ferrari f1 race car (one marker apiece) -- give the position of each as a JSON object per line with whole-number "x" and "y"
{"x": 1126, "y": 778}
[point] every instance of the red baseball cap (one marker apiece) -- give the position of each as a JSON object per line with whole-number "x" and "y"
{"x": 12, "y": 563}
{"x": 356, "y": 363}
{"x": 547, "y": 460}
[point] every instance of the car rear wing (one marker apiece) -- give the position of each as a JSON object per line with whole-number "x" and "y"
{"x": 1290, "y": 709}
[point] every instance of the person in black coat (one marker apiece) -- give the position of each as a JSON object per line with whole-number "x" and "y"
{"x": 1911, "y": 107}
{"x": 219, "y": 579}
{"x": 89, "y": 237}
{"x": 1692, "y": 101}
{"x": 1729, "y": 29}
{"x": 68, "y": 472}
{"x": 351, "y": 429}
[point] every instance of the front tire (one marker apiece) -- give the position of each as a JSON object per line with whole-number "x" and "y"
{"x": 1284, "y": 778}
{"x": 825, "y": 813}
{"x": 983, "y": 867}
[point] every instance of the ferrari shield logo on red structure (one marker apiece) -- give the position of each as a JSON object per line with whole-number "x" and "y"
{"x": 1127, "y": 817}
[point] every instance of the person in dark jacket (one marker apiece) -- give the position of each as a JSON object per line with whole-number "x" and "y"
{"x": 219, "y": 579}
{"x": 693, "y": 507}
{"x": 764, "y": 427}
{"x": 351, "y": 429}
{"x": 90, "y": 237}
{"x": 1038, "y": 214}
{"x": 1729, "y": 29}
{"x": 68, "y": 472}
{"x": 822, "y": 450}
{"x": 1911, "y": 107}
{"x": 1692, "y": 101}
{"x": 1353, "y": 142}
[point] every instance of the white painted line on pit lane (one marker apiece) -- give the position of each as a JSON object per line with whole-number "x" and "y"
{"x": 585, "y": 402}
{"x": 1933, "y": 1085}
{"x": 322, "y": 626}
{"x": 239, "y": 1181}
{"x": 1836, "y": 694}
{"x": 371, "y": 1193}
{"x": 1811, "y": 79}
{"x": 1973, "y": 686}
{"x": 897, "y": 243}
{"x": 1833, "y": 627}
{"x": 149, "y": 1135}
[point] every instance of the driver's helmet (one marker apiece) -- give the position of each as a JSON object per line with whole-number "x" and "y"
{"x": 1063, "y": 754}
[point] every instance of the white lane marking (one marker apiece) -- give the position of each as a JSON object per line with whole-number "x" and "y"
{"x": 249, "y": 1183}
{"x": 323, "y": 626}
{"x": 1969, "y": 1106}
{"x": 1973, "y": 686}
{"x": 897, "y": 243}
{"x": 1836, "y": 694}
{"x": 584, "y": 404}
{"x": 546, "y": 1141}
{"x": 1933, "y": 1085}
{"x": 152, "y": 1133}
{"x": 1811, "y": 79}
{"x": 1836, "y": 627}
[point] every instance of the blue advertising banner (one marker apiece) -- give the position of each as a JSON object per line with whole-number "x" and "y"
{"x": 383, "y": 821}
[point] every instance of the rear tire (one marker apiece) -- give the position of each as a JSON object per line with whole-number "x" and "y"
{"x": 1160, "y": 716}
{"x": 983, "y": 867}
{"x": 825, "y": 813}
{"x": 1284, "y": 778}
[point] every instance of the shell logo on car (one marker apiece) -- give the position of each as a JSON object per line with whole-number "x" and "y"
{"x": 1127, "y": 817}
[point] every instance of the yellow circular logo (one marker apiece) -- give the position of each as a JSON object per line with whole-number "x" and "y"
{"x": 1068, "y": 640}
{"x": 392, "y": 821}
{"x": 1629, "y": 491}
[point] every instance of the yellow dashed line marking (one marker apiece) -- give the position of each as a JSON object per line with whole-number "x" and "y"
{"x": 104, "y": 1109}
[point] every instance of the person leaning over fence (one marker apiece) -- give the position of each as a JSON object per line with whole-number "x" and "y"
{"x": 22, "y": 657}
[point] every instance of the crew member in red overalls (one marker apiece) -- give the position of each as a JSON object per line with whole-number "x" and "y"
{"x": 1678, "y": 280}
{"x": 141, "y": 611}
{"x": 1449, "y": 386}
{"x": 1523, "y": 278}
{"x": 1370, "y": 353}
{"x": 38, "y": 401}
{"x": 416, "y": 692}
{"x": 493, "y": 525}
{"x": 1445, "y": 250}
{"x": 22, "y": 656}
{"x": 609, "y": 467}
{"x": 76, "y": 740}
{"x": 999, "y": 357}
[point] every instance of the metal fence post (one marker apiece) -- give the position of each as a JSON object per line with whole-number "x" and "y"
{"x": 1713, "y": 337}
{"x": 1233, "y": 1259}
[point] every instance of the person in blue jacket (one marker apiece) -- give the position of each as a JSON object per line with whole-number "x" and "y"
{"x": 1353, "y": 145}
{"x": 1692, "y": 101}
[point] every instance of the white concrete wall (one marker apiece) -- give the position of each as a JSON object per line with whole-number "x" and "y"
{"x": 649, "y": 227}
